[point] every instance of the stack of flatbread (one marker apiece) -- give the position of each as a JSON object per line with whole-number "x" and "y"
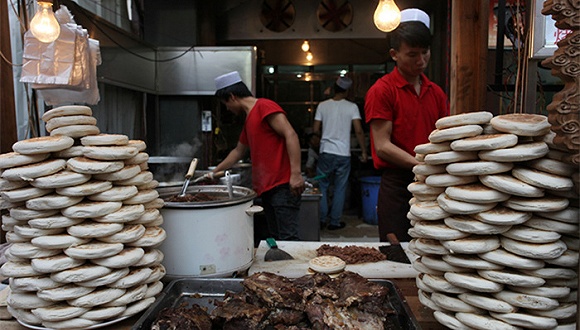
{"x": 84, "y": 222}
{"x": 495, "y": 223}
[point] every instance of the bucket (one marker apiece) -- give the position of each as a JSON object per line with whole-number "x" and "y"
{"x": 370, "y": 193}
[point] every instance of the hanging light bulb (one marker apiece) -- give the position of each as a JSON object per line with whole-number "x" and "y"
{"x": 44, "y": 25}
{"x": 309, "y": 56}
{"x": 387, "y": 16}
{"x": 305, "y": 46}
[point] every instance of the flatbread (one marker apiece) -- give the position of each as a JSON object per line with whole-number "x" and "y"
{"x": 437, "y": 263}
{"x": 105, "y": 140}
{"x": 542, "y": 179}
{"x": 55, "y": 263}
{"x": 109, "y": 153}
{"x": 28, "y": 251}
{"x": 33, "y": 283}
{"x": 531, "y": 235}
{"x": 86, "y": 272}
{"x": 467, "y": 118}
{"x": 526, "y": 300}
{"x": 470, "y": 225}
{"x": 478, "y": 321}
{"x": 473, "y": 244}
{"x": 553, "y": 225}
{"x": 58, "y": 312}
{"x": 432, "y": 148}
{"x": 140, "y": 158}
{"x": 52, "y": 201}
{"x": 440, "y": 284}
{"x": 454, "y": 133}
{"x": 74, "y": 151}
{"x": 450, "y": 303}
{"x": 153, "y": 237}
{"x": 29, "y": 232}
{"x": 447, "y": 180}
{"x": 70, "y": 120}
{"x": 98, "y": 297}
{"x": 485, "y": 142}
{"x": 142, "y": 197}
{"x": 476, "y": 193}
{"x": 469, "y": 261}
{"x": 552, "y": 166}
{"x": 60, "y": 179}
{"x": 66, "y": 110}
{"x": 544, "y": 204}
{"x": 569, "y": 215}
{"x": 522, "y": 124}
{"x": 115, "y": 194}
{"x": 486, "y": 302}
{"x": 447, "y": 157}
{"x": 88, "y": 188}
{"x": 75, "y": 131}
{"x": 15, "y": 159}
{"x": 510, "y": 185}
{"x": 534, "y": 250}
{"x": 90, "y": 166}
{"x": 23, "y": 194}
{"x": 130, "y": 233}
{"x": 478, "y": 168}
{"x": 429, "y": 210}
{"x": 473, "y": 282}
{"x": 65, "y": 292}
{"x": 501, "y": 215}
{"x": 42, "y": 145}
{"x": 107, "y": 279}
{"x": 437, "y": 230}
{"x": 127, "y": 257}
{"x": 60, "y": 241}
{"x": 93, "y": 250}
{"x": 508, "y": 259}
{"x": 127, "y": 213}
{"x": 512, "y": 277}
{"x": 423, "y": 188}
{"x": 459, "y": 207}
{"x": 519, "y": 153}
{"x": 91, "y": 209}
{"x": 125, "y": 173}
{"x": 33, "y": 171}
{"x": 135, "y": 277}
{"x": 93, "y": 229}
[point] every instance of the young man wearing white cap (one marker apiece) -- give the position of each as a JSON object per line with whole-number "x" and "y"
{"x": 274, "y": 152}
{"x": 336, "y": 116}
{"x": 401, "y": 109}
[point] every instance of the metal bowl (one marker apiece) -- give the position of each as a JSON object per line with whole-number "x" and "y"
{"x": 241, "y": 195}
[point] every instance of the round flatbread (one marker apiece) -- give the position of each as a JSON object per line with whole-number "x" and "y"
{"x": 142, "y": 178}
{"x": 67, "y": 110}
{"x": 458, "y": 207}
{"x": 18, "y": 269}
{"x": 511, "y": 277}
{"x": 75, "y": 131}
{"x": 437, "y": 230}
{"x": 469, "y": 261}
{"x": 109, "y": 152}
{"x": 90, "y": 166}
{"x": 544, "y": 204}
{"x": 425, "y": 189}
{"x": 89, "y": 188}
{"x": 65, "y": 292}
{"x": 43, "y": 145}
{"x": 508, "y": 259}
{"x": 567, "y": 259}
{"x": 151, "y": 257}
{"x": 56, "y": 221}
{"x": 81, "y": 273}
{"x": 125, "y": 173}
{"x": 526, "y": 300}
{"x": 478, "y": 168}
{"x": 155, "y": 204}
{"x": 138, "y": 159}
{"x": 468, "y": 118}
{"x": 92, "y": 229}
{"x": 501, "y": 215}
{"x": 476, "y": 193}
{"x": 531, "y": 235}
{"x": 552, "y": 273}
{"x": 91, "y": 209}
{"x": 421, "y": 268}
{"x": 127, "y": 257}
{"x": 424, "y": 169}
{"x": 52, "y": 201}
{"x": 74, "y": 323}
{"x": 33, "y": 171}
{"x": 473, "y": 282}
{"x": 510, "y": 185}
{"x": 447, "y": 180}
{"x": 142, "y": 197}
{"x": 24, "y": 315}
{"x": 448, "y": 157}
{"x": 430, "y": 246}
{"x": 473, "y": 244}
{"x": 487, "y": 303}
{"x": 33, "y": 283}
{"x": 93, "y": 250}
{"x": 115, "y": 194}
{"x": 534, "y": 250}
{"x": 100, "y": 296}
{"x": 485, "y": 142}
{"x": 522, "y": 124}
{"x": 552, "y": 166}
{"x": 15, "y": 159}
{"x": 432, "y": 148}
{"x": 26, "y": 300}
{"x": 74, "y": 151}
{"x": 428, "y": 210}
{"x": 132, "y": 295}
{"x": 107, "y": 279}
{"x": 542, "y": 179}
{"x": 153, "y": 237}
{"x": 425, "y": 300}
{"x": 438, "y": 283}
{"x": 153, "y": 289}
{"x": 554, "y": 292}
{"x": 519, "y": 153}
{"x": 552, "y": 225}
{"x": 454, "y": 133}
{"x": 55, "y": 263}
{"x": 470, "y": 225}
{"x": 136, "y": 276}
{"x": 126, "y": 213}
{"x": 28, "y": 232}
{"x": 58, "y": 312}
{"x": 478, "y": 321}
{"x": 28, "y": 251}
{"x": 57, "y": 122}
{"x": 103, "y": 313}
{"x": 450, "y": 303}
{"x": 568, "y": 215}
{"x": 449, "y": 321}
{"x": 437, "y": 263}
{"x": 60, "y": 179}
{"x": 60, "y": 241}
{"x": 128, "y": 234}
{"x": 6, "y": 185}
{"x": 139, "y": 144}
{"x": 23, "y": 194}
{"x": 105, "y": 140}
{"x": 137, "y": 307}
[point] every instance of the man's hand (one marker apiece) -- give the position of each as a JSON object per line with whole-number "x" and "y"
{"x": 297, "y": 184}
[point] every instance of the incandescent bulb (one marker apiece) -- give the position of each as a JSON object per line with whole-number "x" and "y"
{"x": 44, "y": 25}
{"x": 309, "y": 57}
{"x": 305, "y": 46}
{"x": 387, "y": 16}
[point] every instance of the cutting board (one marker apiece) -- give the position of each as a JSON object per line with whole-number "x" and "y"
{"x": 304, "y": 251}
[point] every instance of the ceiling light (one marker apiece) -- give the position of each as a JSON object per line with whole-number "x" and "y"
{"x": 387, "y": 15}
{"x": 305, "y": 46}
{"x": 44, "y": 25}
{"x": 309, "y": 57}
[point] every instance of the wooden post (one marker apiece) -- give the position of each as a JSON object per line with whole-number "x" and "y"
{"x": 469, "y": 34}
{"x": 7, "y": 106}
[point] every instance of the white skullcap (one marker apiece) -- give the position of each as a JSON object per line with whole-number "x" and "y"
{"x": 414, "y": 14}
{"x": 227, "y": 79}
{"x": 344, "y": 82}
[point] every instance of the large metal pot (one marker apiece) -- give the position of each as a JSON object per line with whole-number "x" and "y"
{"x": 208, "y": 238}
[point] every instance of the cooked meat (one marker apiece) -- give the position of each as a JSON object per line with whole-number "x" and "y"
{"x": 183, "y": 318}
{"x": 274, "y": 290}
{"x": 236, "y": 308}
{"x": 356, "y": 290}
{"x": 285, "y": 316}
{"x": 318, "y": 283}
{"x": 197, "y": 197}
{"x": 351, "y": 254}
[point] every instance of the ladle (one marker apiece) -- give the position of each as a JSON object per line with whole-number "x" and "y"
{"x": 188, "y": 176}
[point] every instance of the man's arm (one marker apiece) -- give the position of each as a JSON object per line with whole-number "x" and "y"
{"x": 386, "y": 150}
{"x": 360, "y": 137}
{"x": 236, "y": 154}
{"x": 316, "y": 127}
{"x": 281, "y": 125}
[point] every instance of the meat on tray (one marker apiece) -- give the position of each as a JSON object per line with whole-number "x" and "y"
{"x": 351, "y": 254}
{"x": 270, "y": 301}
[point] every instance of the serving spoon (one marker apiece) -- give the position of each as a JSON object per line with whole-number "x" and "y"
{"x": 188, "y": 176}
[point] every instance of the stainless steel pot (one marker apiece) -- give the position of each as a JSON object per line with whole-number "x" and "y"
{"x": 213, "y": 238}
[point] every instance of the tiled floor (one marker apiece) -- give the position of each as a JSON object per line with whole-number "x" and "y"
{"x": 356, "y": 230}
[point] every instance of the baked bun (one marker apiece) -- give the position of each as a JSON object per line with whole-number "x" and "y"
{"x": 454, "y": 133}
{"x": 57, "y": 122}
{"x": 91, "y": 209}
{"x": 81, "y": 273}
{"x": 468, "y": 118}
{"x": 75, "y": 131}
{"x": 60, "y": 179}
{"x": 43, "y": 145}
{"x": 327, "y": 264}
{"x": 90, "y": 166}
{"x": 33, "y": 171}
{"x": 107, "y": 279}
{"x": 66, "y": 110}
{"x": 88, "y": 188}
{"x": 105, "y": 140}
{"x": 521, "y": 124}
{"x": 432, "y": 148}
{"x": 125, "y": 173}
{"x": 93, "y": 250}
{"x": 15, "y": 159}
{"x": 485, "y": 142}
{"x": 519, "y": 153}
{"x": 109, "y": 152}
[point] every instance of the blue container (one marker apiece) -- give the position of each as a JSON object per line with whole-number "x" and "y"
{"x": 370, "y": 194}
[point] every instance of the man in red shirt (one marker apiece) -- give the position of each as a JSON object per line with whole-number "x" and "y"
{"x": 401, "y": 109}
{"x": 274, "y": 152}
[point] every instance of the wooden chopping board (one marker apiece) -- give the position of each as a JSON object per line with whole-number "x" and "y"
{"x": 304, "y": 251}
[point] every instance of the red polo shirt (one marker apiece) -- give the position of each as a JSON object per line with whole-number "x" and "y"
{"x": 393, "y": 98}
{"x": 268, "y": 152}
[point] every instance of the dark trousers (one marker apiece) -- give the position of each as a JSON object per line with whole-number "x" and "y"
{"x": 393, "y": 204}
{"x": 281, "y": 209}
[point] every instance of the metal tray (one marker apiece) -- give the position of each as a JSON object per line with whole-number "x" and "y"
{"x": 204, "y": 291}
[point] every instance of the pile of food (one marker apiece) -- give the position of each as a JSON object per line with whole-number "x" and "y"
{"x": 83, "y": 221}
{"x": 197, "y": 197}
{"x": 267, "y": 300}
{"x": 351, "y": 254}
{"x": 495, "y": 221}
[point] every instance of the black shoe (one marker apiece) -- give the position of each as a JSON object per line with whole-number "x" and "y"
{"x": 335, "y": 227}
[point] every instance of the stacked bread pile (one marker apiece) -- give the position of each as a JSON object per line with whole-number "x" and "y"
{"x": 495, "y": 222}
{"x": 84, "y": 222}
